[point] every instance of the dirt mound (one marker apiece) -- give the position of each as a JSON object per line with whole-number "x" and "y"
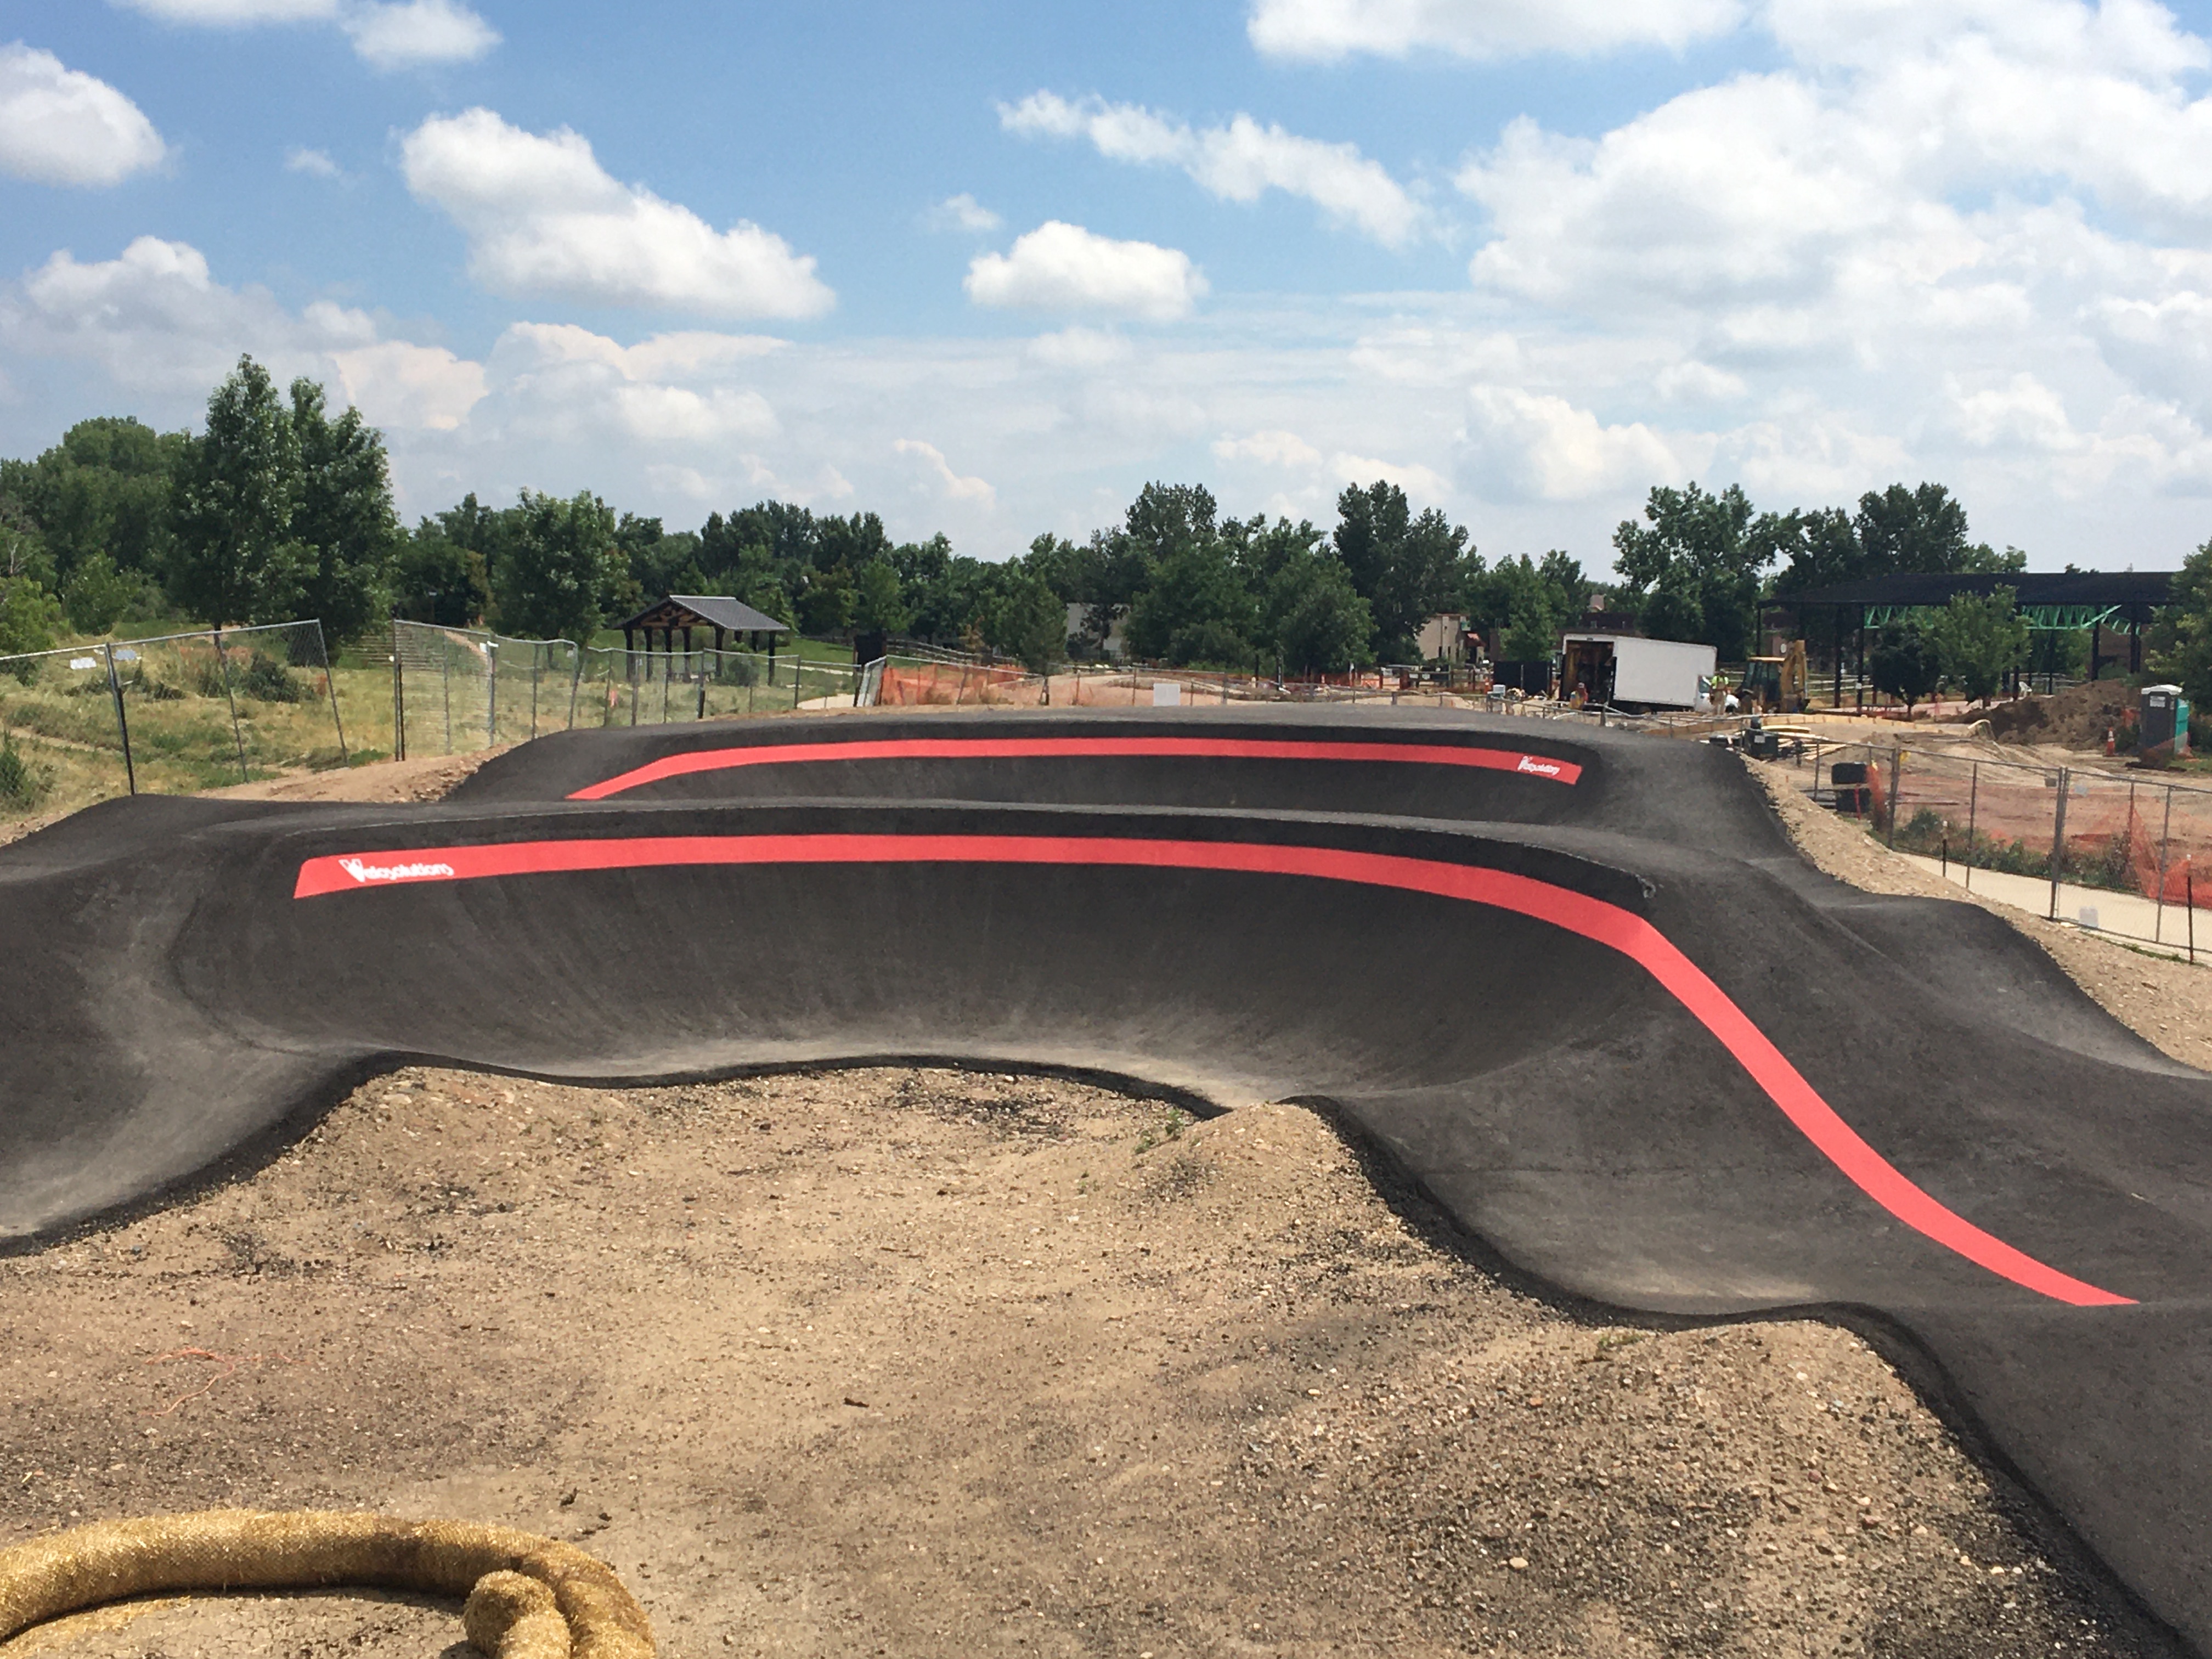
{"x": 951, "y": 1364}
{"x": 2077, "y": 717}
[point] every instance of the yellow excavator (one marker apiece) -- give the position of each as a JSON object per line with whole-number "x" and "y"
{"x": 1774, "y": 685}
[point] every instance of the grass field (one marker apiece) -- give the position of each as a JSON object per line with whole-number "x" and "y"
{"x": 265, "y": 707}
{"x": 58, "y": 722}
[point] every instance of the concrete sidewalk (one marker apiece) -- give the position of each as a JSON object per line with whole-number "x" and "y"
{"x": 2129, "y": 916}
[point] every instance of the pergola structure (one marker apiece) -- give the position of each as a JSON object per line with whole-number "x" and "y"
{"x": 683, "y": 612}
{"x": 2073, "y": 601}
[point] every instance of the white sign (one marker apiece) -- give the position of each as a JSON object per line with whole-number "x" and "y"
{"x": 1166, "y": 694}
{"x": 84, "y": 662}
{"x": 2087, "y": 914}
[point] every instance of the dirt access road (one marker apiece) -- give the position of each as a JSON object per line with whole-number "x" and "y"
{"x": 912, "y": 1362}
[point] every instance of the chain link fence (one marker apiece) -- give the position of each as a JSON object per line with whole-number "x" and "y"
{"x": 2116, "y": 850}
{"x": 455, "y": 690}
{"x": 169, "y": 715}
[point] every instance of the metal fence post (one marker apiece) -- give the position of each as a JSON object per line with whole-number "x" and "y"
{"x": 399, "y": 698}
{"x": 2164, "y": 852}
{"x": 331, "y": 680}
{"x": 491, "y": 694}
{"x": 2059, "y": 840}
{"x": 576, "y": 687}
{"x": 238, "y": 736}
{"x": 1973, "y": 806}
{"x": 122, "y": 722}
{"x": 1896, "y": 783}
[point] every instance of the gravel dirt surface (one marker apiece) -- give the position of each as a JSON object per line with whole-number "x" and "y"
{"x": 916, "y": 1362}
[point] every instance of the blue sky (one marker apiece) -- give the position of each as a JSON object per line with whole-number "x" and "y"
{"x": 1527, "y": 256}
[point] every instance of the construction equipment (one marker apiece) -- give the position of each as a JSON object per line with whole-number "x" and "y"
{"x": 1774, "y": 685}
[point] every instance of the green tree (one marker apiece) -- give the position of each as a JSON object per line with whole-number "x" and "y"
{"x": 97, "y": 595}
{"x": 1904, "y": 662}
{"x": 239, "y": 482}
{"x": 1980, "y": 641}
{"x": 827, "y": 602}
{"x": 30, "y": 617}
{"x": 1027, "y": 620}
{"x": 105, "y": 488}
{"x": 879, "y": 599}
{"x": 2181, "y": 631}
{"x": 437, "y": 579}
{"x": 1529, "y": 603}
{"x": 1692, "y": 572}
{"x": 22, "y": 544}
{"x": 343, "y": 516}
{"x": 1194, "y": 608}
{"x": 561, "y": 570}
{"x": 1407, "y": 567}
{"x": 1315, "y": 619}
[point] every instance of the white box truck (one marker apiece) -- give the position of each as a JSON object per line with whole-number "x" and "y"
{"x": 1629, "y": 673}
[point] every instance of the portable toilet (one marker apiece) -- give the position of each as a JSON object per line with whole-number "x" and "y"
{"x": 2162, "y": 725}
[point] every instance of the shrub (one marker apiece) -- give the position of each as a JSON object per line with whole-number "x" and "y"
{"x": 22, "y": 785}
{"x": 208, "y": 679}
{"x": 267, "y": 680}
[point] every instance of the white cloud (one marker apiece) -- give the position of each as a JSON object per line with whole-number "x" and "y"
{"x": 316, "y": 163}
{"x": 542, "y": 216}
{"x": 965, "y": 212}
{"x": 2022, "y": 411}
{"x": 1274, "y": 448}
{"x": 1543, "y": 445}
{"x": 234, "y": 14}
{"x": 1331, "y": 29}
{"x": 156, "y": 323}
{"x": 1423, "y": 483}
{"x": 385, "y": 34}
{"x": 1286, "y": 451}
{"x": 1896, "y": 163}
{"x": 1063, "y": 267}
{"x": 407, "y": 34}
{"x": 61, "y": 126}
{"x": 1692, "y": 382}
{"x": 568, "y": 382}
{"x": 949, "y": 482}
{"x": 394, "y": 383}
{"x": 1078, "y": 348}
{"x": 1238, "y": 162}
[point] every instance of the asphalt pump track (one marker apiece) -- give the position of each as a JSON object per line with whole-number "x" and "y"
{"x": 1575, "y": 982}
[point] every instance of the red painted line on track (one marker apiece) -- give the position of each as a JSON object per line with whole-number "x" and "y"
{"x": 1577, "y": 912}
{"x": 1546, "y": 767}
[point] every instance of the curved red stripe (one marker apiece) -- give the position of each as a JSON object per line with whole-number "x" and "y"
{"x": 1577, "y": 912}
{"x": 1546, "y": 767}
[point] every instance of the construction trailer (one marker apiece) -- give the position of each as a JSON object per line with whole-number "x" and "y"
{"x": 1628, "y": 672}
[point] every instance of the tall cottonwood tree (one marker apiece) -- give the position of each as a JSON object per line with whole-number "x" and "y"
{"x": 235, "y": 557}
{"x": 281, "y": 513}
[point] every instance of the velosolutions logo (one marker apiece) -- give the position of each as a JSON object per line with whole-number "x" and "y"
{"x": 365, "y": 872}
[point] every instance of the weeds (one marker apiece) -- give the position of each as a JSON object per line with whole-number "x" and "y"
{"x": 23, "y": 785}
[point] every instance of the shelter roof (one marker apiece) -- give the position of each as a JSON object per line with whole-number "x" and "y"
{"x": 705, "y": 610}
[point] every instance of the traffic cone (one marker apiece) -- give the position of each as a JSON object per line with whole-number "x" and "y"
{"x": 2111, "y": 743}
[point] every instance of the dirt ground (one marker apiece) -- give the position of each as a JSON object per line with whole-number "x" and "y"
{"x": 914, "y": 1362}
